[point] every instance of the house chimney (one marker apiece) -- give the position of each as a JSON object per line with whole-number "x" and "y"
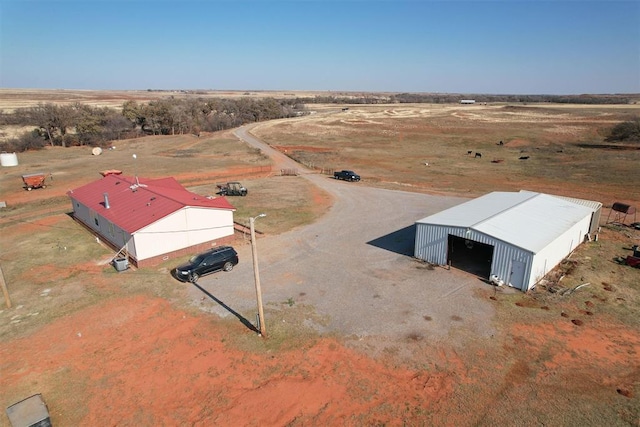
{"x": 106, "y": 200}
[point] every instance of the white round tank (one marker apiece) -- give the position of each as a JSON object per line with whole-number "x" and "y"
{"x": 8, "y": 159}
{"x": 96, "y": 151}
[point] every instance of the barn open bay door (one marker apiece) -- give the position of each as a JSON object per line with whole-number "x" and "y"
{"x": 470, "y": 256}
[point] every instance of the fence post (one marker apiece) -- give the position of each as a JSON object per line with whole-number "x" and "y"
{"x": 3, "y": 284}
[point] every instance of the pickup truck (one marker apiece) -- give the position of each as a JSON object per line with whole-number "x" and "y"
{"x": 347, "y": 175}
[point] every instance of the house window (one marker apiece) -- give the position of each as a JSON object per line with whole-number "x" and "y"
{"x": 94, "y": 217}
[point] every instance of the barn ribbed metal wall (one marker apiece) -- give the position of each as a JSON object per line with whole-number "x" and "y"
{"x": 432, "y": 241}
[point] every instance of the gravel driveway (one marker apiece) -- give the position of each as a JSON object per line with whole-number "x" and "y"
{"x": 354, "y": 266}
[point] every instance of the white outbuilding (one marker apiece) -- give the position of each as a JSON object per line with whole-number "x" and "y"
{"x": 151, "y": 220}
{"x": 518, "y": 237}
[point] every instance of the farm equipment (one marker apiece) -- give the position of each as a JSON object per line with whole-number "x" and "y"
{"x": 34, "y": 180}
{"x": 231, "y": 189}
{"x": 631, "y": 260}
{"x": 634, "y": 260}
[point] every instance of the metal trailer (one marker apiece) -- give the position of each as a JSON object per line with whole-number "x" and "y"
{"x": 34, "y": 180}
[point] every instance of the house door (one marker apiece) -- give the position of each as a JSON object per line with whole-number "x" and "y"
{"x": 517, "y": 274}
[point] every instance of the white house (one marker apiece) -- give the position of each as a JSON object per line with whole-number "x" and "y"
{"x": 517, "y": 236}
{"x": 151, "y": 219}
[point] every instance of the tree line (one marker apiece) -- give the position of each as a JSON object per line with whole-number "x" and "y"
{"x": 446, "y": 98}
{"x": 80, "y": 124}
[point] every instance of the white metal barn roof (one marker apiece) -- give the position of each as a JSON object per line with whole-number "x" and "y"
{"x": 525, "y": 219}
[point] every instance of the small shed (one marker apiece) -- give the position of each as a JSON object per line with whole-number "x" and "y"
{"x": 29, "y": 412}
{"x": 516, "y": 236}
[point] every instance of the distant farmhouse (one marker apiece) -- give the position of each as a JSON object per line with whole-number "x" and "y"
{"x": 467, "y": 101}
{"x": 151, "y": 220}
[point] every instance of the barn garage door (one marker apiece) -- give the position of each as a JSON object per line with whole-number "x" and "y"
{"x": 470, "y": 256}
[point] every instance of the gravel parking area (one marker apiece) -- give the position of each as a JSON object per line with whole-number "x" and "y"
{"x": 355, "y": 267}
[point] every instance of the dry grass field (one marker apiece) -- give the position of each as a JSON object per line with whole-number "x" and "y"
{"x": 425, "y": 148}
{"x": 125, "y": 349}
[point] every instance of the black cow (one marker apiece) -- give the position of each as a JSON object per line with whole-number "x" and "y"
{"x": 477, "y": 155}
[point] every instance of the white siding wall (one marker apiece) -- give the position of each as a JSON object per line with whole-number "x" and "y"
{"x": 186, "y": 227}
{"x": 107, "y": 230}
{"x": 556, "y": 251}
{"x": 80, "y": 211}
{"x": 431, "y": 243}
{"x": 503, "y": 256}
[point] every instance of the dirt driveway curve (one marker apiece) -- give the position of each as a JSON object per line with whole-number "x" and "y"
{"x": 355, "y": 267}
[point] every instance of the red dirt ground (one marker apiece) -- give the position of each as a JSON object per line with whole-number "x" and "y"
{"x": 139, "y": 361}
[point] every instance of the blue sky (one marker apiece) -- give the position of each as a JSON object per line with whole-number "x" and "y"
{"x": 491, "y": 47}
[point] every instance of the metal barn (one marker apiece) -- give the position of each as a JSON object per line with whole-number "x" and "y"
{"x": 516, "y": 236}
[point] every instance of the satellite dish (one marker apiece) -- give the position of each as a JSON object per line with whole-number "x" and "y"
{"x": 96, "y": 151}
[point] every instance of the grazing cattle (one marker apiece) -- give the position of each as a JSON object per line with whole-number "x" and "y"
{"x": 500, "y": 143}
{"x": 469, "y": 152}
{"x": 523, "y": 157}
{"x": 477, "y": 155}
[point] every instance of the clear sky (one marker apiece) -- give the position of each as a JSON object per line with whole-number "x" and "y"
{"x": 489, "y": 47}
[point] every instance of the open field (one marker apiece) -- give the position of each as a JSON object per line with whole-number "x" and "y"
{"x": 131, "y": 349}
{"x": 424, "y": 148}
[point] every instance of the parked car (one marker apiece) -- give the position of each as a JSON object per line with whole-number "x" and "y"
{"x": 216, "y": 259}
{"x": 346, "y": 175}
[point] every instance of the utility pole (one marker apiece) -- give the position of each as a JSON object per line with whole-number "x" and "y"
{"x": 256, "y": 274}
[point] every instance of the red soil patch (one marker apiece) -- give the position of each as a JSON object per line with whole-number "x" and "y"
{"x": 286, "y": 148}
{"x": 142, "y": 362}
{"x": 139, "y": 361}
{"x": 603, "y": 344}
{"x": 517, "y": 143}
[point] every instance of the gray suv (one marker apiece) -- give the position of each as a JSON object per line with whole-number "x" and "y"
{"x": 216, "y": 259}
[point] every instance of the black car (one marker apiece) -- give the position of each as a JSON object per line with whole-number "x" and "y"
{"x": 216, "y": 259}
{"x": 346, "y": 175}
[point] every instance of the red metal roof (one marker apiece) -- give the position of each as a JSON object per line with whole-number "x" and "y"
{"x": 135, "y": 203}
